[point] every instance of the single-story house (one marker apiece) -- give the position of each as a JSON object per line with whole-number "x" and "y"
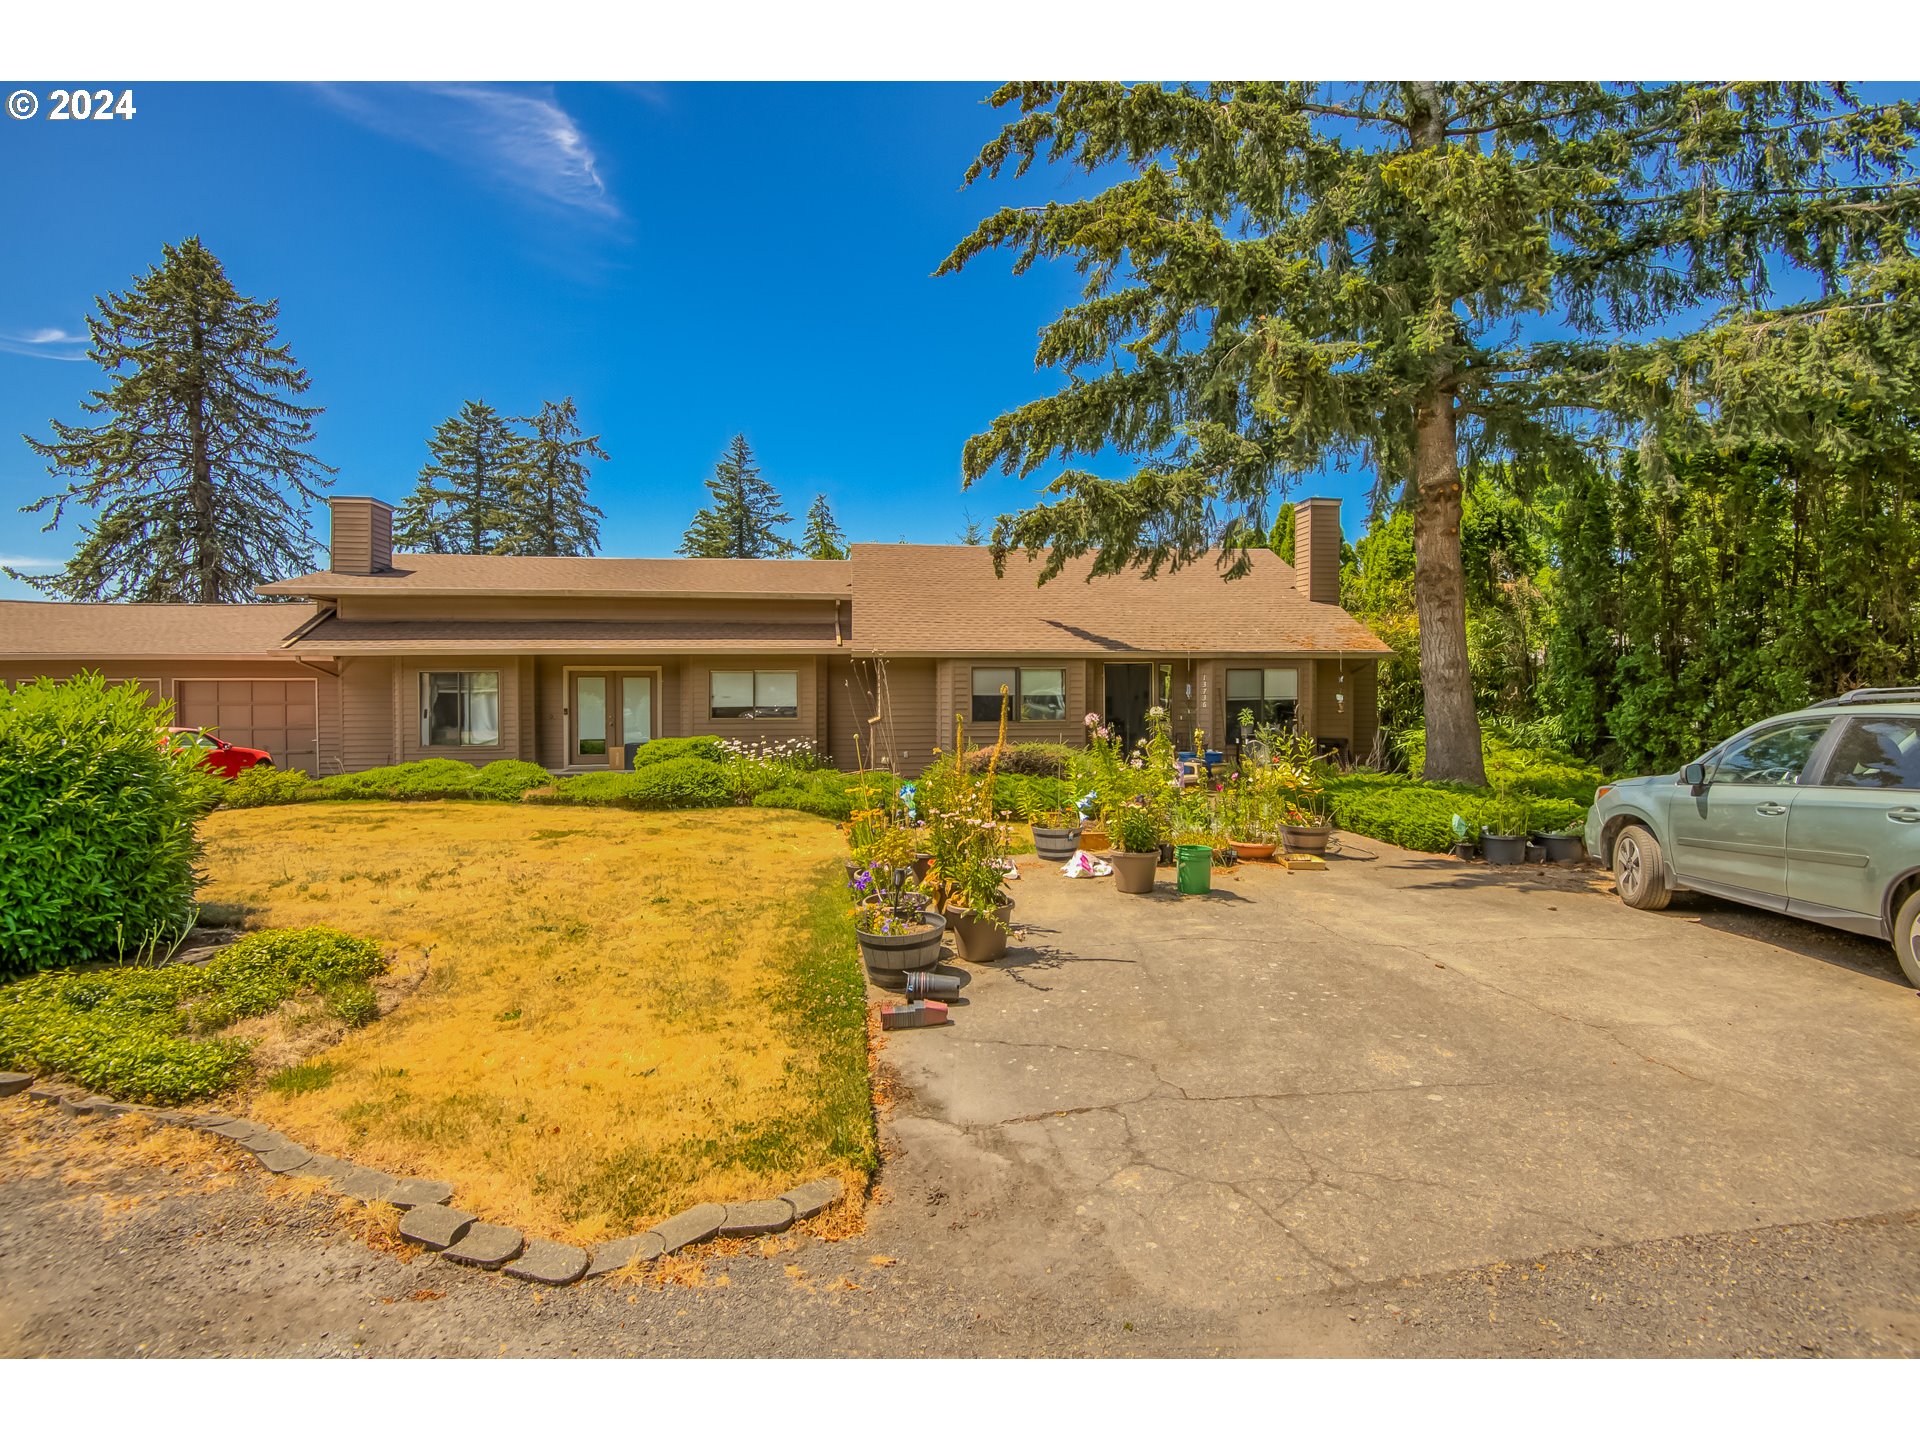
{"x": 386, "y": 657}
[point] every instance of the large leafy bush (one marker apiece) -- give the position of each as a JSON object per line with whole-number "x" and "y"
{"x": 441, "y": 779}
{"x": 1418, "y": 815}
{"x": 97, "y": 819}
{"x": 683, "y": 784}
{"x": 145, "y": 1033}
{"x": 688, "y": 747}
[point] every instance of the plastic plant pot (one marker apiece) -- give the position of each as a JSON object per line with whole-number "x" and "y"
{"x": 1195, "y": 864}
{"x": 1133, "y": 870}
{"x": 1503, "y": 849}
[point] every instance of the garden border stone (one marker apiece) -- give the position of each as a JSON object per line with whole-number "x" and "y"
{"x": 432, "y": 1223}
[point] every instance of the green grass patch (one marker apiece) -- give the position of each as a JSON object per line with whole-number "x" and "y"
{"x": 150, "y": 1034}
{"x": 302, "y": 1079}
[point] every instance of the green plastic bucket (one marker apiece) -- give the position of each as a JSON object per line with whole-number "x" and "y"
{"x": 1196, "y": 868}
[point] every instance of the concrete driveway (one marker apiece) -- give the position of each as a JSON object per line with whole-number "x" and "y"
{"x": 1402, "y": 1066}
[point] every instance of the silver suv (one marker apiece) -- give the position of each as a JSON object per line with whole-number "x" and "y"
{"x": 1815, "y": 813}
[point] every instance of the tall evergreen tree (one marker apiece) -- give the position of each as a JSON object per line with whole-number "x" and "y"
{"x": 461, "y": 504}
{"x": 971, "y": 532}
{"x": 199, "y": 471}
{"x": 1281, "y": 538}
{"x": 741, "y": 522}
{"x": 1290, "y": 275}
{"x": 823, "y": 539}
{"x": 547, "y": 511}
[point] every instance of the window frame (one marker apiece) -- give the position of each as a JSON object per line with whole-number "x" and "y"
{"x": 1829, "y": 769}
{"x": 984, "y": 707}
{"x": 463, "y": 693}
{"x": 1263, "y": 711}
{"x": 755, "y": 710}
{"x": 1818, "y": 755}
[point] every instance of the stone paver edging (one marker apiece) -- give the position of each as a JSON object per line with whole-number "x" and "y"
{"x": 431, "y": 1222}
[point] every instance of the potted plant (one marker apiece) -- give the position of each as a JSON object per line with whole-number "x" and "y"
{"x": 896, "y": 932}
{"x": 1503, "y": 830}
{"x": 1056, "y": 834}
{"x": 1093, "y": 829}
{"x": 1139, "y": 850}
{"x": 1242, "y": 815}
{"x": 1463, "y": 847}
{"x": 1306, "y": 828}
{"x": 1563, "y": 847}
{"x": 885, "y": 851}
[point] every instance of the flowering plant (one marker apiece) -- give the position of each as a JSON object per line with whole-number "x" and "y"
{"x": 968, "y": 840}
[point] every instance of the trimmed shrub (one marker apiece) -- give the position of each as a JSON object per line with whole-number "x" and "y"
{"x": 97, "y": 816}
{"x": 1417, "y": 815}
{"x": 146, "y": 1033}
{"x": 827, "y": 803}
{"x": 440, "y": 779}
{"x": 683, "y": 784}
{"x": 1538, "y": 770}
{"x": 264, "y": 785}
{"x": 688, "y": 747}
{"x": 1044, "y": 761}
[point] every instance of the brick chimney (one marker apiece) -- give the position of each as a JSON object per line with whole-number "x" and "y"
{"x": 1316, "y": 550}
{"x": 362, "y": 542}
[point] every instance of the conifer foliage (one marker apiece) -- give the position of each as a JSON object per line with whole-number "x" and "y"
{"x": 461, "y": 503}
{"x": 743, "y": 520}
{"x": 1287, "y": 276}
{"x": 547, "y": 508}
{"x": 198, "y": 474}
{"x": 823, "y": 538}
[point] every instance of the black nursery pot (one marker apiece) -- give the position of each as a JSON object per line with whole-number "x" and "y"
{"x": 1504, "y": 849}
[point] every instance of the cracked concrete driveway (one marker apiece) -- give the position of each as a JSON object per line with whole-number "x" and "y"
{"x": 1401, "y": 1066}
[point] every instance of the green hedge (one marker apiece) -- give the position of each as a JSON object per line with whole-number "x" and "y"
{"x": 1417, "y": 815}
{"x": 416, "y": 780}
{"x": 686, "y": 783}
{"x": 142, "y": 1033}
{"x": 1538, "y": 770}
{"x": 97, "y": 819}
{"x": 690, "y": 747}
{"x": 824, "y": 801}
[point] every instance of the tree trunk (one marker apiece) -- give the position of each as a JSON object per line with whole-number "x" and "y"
{"x": 1440, "y": 596}
{"x": 202, "y": 523}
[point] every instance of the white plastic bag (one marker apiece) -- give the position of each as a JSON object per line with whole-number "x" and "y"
{"x": 1085, "y": 867}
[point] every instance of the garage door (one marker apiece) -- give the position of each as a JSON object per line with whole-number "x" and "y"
{"x": 277, "y": 716}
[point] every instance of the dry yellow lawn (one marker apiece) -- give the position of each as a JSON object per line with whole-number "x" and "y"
{"x": 622, "y": 1013}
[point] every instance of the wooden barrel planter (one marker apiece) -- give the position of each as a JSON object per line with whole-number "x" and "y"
{"x": 1051, "y": 844}
{"x": 891, "y": 958}
{"x": 1306, "y": 839}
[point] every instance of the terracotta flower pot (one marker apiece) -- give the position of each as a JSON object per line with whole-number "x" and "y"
{"x": 1133, "y": 870}
{"x": 1306, "y": 839}
{"x": 1051, "y": 844}
{"x": 1253, "y": 849}
{"x": 978, "y": 939}
{"x": 890, "y": 958}
{"x": 920, "y": 863}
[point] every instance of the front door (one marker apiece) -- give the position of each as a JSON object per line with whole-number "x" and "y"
{"x": 607, "y": 713}
{"x": 1732, "y": 837}
{"x": 1128, "y": 698}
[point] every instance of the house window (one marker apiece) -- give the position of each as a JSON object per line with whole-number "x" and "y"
{"x": 752, "y": 694}
{"x": 1272, "y": 695}
{"x": 460, "y": 707}
{"x": 1034, "y": 694}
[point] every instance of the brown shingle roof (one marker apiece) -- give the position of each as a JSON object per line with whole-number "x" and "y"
{"x": 30, "y": 628}
{"x": 367, "y": 637}
{"x": 946, "y": 599}
{"x": 569, "y": 575}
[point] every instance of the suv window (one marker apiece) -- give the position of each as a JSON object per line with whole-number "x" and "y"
{"x": 1879, "y": 752}
{"x": 1770, "y": 757}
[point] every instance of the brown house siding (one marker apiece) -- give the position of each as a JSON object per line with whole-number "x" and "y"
{"x": 406, "y": 708}
{"x": 954, "y": 690}
{"x": 366, "y": 713}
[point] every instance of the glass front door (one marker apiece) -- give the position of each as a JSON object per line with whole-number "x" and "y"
{"x": 608, "y": 713}
{"x": 589, "y": 720}
{"x": 636, "y": 709}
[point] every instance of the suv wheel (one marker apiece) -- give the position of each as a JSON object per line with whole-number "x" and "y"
{"x": 1906, "y": 938}
{"x": 1640, "y": 870}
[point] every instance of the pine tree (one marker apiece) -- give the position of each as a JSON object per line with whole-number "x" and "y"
{"x": 1287, "y": 275}
{"x": 740, "y": 523}
{"x": 547, "y": 512}
{"x": 970, "y": 531}
{"x": 1280, "y": 539}
{"x": 824, "y": 539}
{"x": 199, "y": 472}
{"x": 461, "y": 504}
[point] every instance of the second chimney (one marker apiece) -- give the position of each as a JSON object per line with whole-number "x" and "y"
{"x": 1316, "y": 550}
{"x": 362, "y": 542}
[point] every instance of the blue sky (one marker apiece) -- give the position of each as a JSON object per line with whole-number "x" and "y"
{"x": 687, "y": 261}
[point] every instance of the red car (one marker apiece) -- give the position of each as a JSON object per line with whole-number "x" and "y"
{"x": 216, "y": 754}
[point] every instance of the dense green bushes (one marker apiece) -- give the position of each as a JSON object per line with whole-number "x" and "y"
{"x": 1418, "y": 815}
{"x": 97, "y": 817}
{"x": 150, "y": 1033}
{"x": 686, "y": 783}
{"x": 690, "y": 747}
{"x": 1537, "y": 770}
{"x": 1032, "y": 758}
{"x": 418, "y": 780}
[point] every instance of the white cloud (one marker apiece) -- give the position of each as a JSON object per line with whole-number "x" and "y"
{"x": 46, "y": 343}
{"x": 29, "y": 562}
{"x": 518, "y": 137}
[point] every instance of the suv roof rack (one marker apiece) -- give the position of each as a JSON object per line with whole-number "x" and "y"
{"x": 1871, "y": 696}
